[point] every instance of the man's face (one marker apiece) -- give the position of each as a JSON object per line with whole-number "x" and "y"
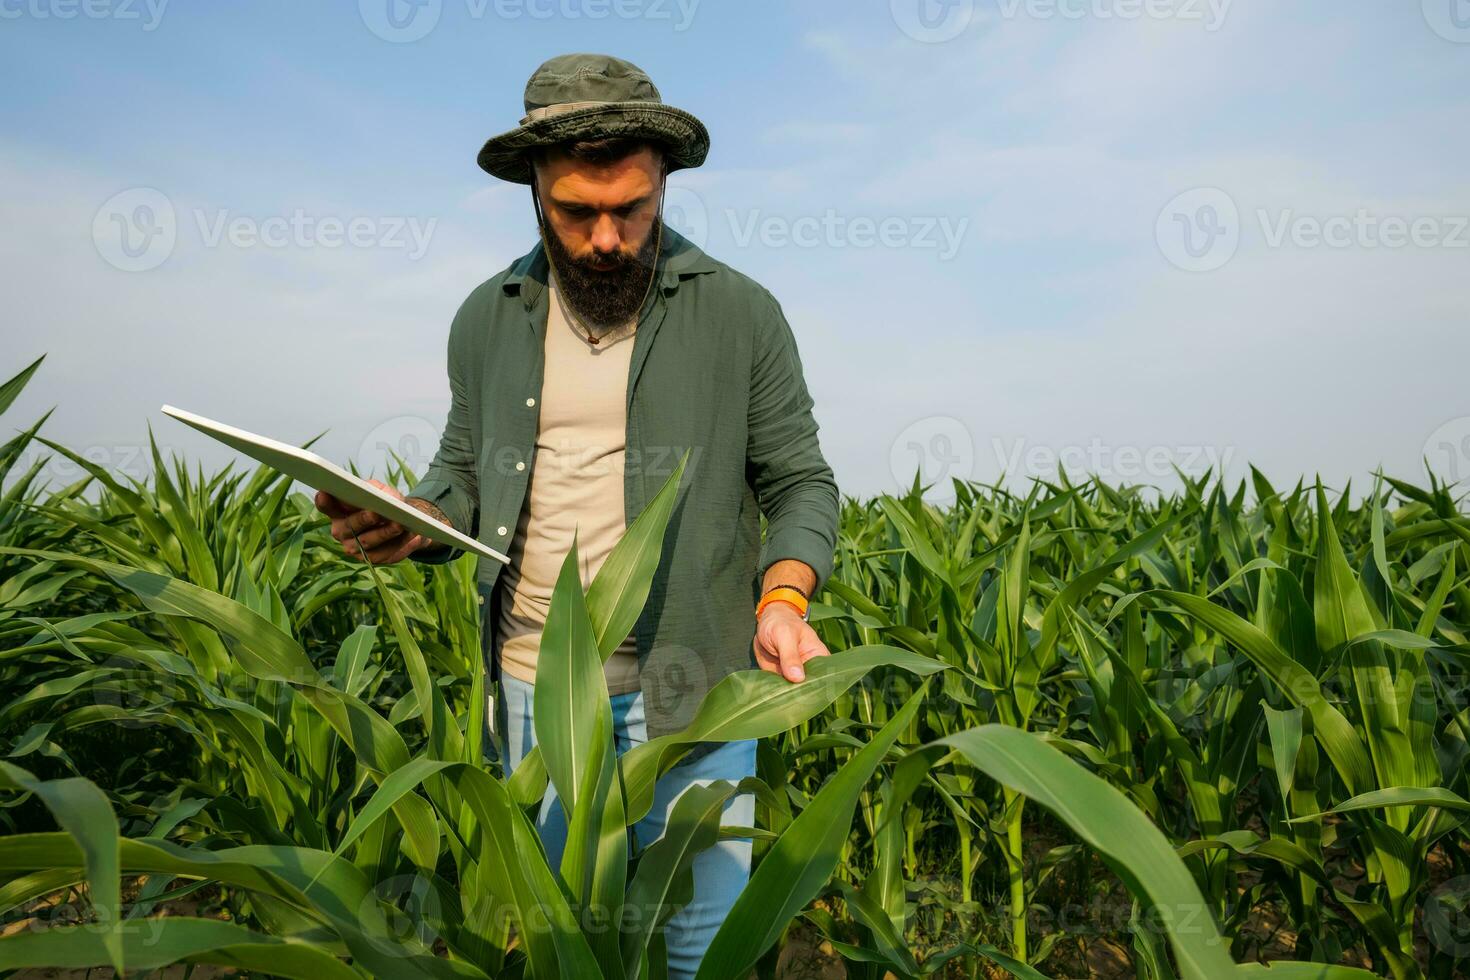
{"x": 602, "y": 220}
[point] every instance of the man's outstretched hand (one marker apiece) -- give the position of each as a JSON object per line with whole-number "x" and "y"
{"x": 384, "y": 541}
{"x": 784, "y": 642}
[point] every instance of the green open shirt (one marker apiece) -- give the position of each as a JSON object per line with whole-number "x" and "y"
{"x": 715, "y": 371}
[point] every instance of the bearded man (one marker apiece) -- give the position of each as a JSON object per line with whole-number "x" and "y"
{"x": 578, "y": 377}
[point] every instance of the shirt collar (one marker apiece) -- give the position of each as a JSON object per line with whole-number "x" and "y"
{"x": 679, "y": 258}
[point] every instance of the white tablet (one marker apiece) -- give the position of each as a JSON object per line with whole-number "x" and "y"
{"x": 321, "y": 474}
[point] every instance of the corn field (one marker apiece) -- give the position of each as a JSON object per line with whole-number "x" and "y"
{"x": 1081, "y": 731}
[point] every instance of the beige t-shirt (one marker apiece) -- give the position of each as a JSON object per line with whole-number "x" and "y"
{"x": 576, "y": 485}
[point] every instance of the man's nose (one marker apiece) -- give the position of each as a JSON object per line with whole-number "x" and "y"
{"x": 606, "y": 238}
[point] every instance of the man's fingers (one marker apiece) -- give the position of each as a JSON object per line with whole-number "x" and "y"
{"x": 782, "y": 647}
{"x": 381, "y": 556}
{"x": 330, "y": 505}
{"x": 791, "y": 667}
{"x": 390, "y": 490}
{"x": 391, "y": 553}
{"x": 382, "y": 534}
{"x": 812, "y": 645}
{"x": 765, "y": 659}
{"x": 355, "y": 542}
{"x": 380, "y": 552}
{"x": 359, "y": 521}
{"x": 788, "y": 649}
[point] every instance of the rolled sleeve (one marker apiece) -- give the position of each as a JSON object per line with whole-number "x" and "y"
{"x": 793, "y": 483}
{"x": 451, "y": 482}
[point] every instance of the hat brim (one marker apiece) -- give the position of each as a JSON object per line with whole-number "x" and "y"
{"x": 682, "y": 135}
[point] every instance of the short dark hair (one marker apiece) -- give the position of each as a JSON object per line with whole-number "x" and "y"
{"x": 606, "y": 149}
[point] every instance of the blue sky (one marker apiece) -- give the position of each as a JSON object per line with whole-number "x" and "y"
{"x": 1119, "y": 234}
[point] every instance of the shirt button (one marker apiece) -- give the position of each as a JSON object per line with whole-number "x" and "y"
{"x": 500, "y": 530}
{"x": 530, "y": 402}
{"x": 520, "y": 466}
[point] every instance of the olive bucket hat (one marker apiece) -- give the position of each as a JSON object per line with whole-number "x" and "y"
{"x": 593, "y": 96}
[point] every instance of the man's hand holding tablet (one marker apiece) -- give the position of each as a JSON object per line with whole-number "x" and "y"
{"x": 387, "y": 525}
{"x": 385, "y": 541}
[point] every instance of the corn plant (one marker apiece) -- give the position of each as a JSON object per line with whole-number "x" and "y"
{"x": 338, "y": 800}
{"x": 1205, "y": 658}
{"x": 1211, "y": 706}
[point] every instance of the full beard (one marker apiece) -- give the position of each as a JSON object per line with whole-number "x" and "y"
{"x": 605, "y": 299}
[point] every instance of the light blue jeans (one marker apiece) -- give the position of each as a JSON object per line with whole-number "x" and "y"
{"x": 720, "y": 873}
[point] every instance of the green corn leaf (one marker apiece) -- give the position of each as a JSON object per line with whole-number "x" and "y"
{"x": 83, "y": 811}
{"x": 886, "y": 934}
{"x": 10, "y": 390}
{"x": 664, "y": 881}
{"x": 1435, "y": 796}
{"x": 616, "y": 597}
{"x": 1342, "y": 743}
{"x": 797, "y": 866}
{"x": 1022, "y": 971}
{"x": 1108, "y": 823}
{"x": 1302, "y": 971}
{"x": 1285, "y": 729}
{"x": 150, "y": 944}
{"x": 318, "y": 885}
{"x": 572, "y": 715}
{"x": 755, "y": 704}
